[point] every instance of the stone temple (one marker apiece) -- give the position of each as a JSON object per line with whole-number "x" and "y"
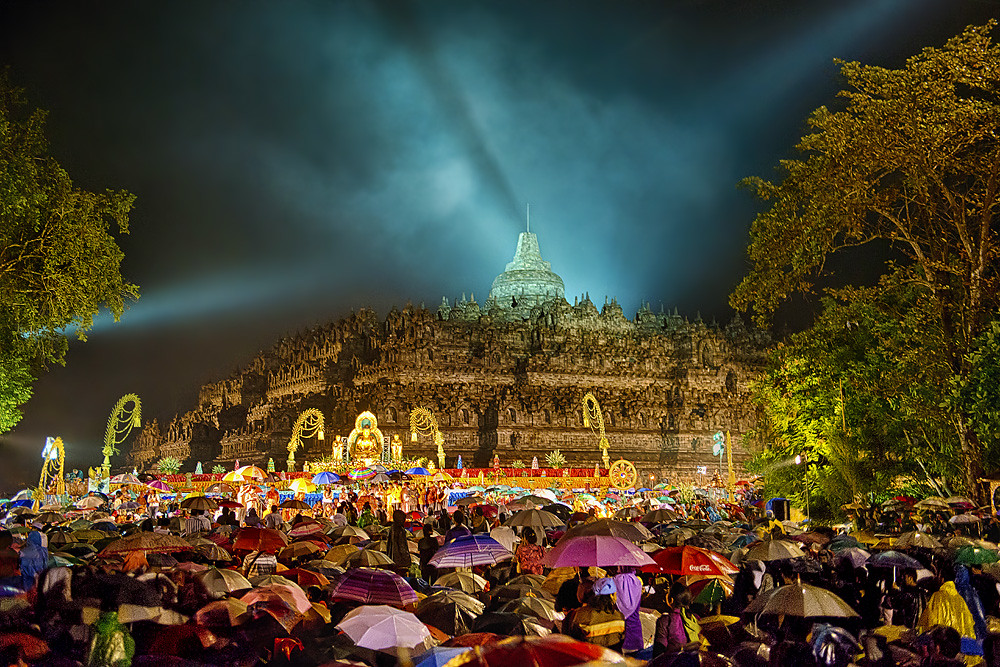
{"x": 506, "y": 377}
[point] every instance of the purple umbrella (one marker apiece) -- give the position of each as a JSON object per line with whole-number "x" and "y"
{"x": 159, "y": 486}
{"x": 470, "y": 550}
{"x": 599, "y": 550}
{"x": 374, "y": 587}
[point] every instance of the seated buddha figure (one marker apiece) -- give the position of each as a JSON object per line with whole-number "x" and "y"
{"x": 367, "y": 448}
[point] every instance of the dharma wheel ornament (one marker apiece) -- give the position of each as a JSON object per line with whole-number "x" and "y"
{"x": 623, "y": 474}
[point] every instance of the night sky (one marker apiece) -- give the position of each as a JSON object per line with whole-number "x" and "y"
{"x": 294, "y": 161}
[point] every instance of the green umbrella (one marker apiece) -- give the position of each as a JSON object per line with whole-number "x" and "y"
{"x": 713, "y": 593}
{"x": 970, "y": 555}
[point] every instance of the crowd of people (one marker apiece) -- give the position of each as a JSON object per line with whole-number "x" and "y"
{"x": 699, "y": 583}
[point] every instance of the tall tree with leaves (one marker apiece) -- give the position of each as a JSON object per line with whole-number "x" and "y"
{"x": 59, "y": 260}
{"x": 910, "y": 159}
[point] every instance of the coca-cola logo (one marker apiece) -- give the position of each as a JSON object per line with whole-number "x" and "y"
{"x": 700, "y": 568}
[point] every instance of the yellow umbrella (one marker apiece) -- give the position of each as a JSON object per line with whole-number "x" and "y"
{"x": 302, "y": 485}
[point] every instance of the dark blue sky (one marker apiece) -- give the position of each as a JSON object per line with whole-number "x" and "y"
{"x": 293, "y": 161}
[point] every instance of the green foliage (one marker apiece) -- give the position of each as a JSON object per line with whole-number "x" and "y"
{"x": 218, "y": 470}
{"x": 980, "y": 395}
{"x": 517, "y": 463}
{"x": 555, "y": 459}
{"x": 908, "y": 162}
{"x": 59, "y": 261}
{"x": 169, "y": 465}
{"x": 862, "y": 397}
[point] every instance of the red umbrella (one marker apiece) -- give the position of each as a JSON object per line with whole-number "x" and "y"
{"x": 260, "y": 539}
{"x": 690, "y": 560}
{"x": 32, "y": 648}
{"x": 474, "y": 639}
{"x": 550, "y": 651}
{"x": 305, "y": 578}
{"x": 232, "y": 504}
{"x": 489, "y": 511}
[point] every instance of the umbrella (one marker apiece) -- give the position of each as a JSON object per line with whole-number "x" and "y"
{"x": 349, "y": 531}
{"x": 540, "y": 608}
{"x": 894, "y": 559}
{"x": 964, "y": 518}
{"x": 226, "y": 613}
{"x": 858, "y": 557}
{"x": 451, "y": 611}
{"x": 587, "y": 550}
{"x": 773, "y": 550}
{"x": 418, "y": 471}
{"x": 933, "y": 503}
{"x": 972, "y": 555}
{"x": 305, "y": 578}
{"x": 294, "y": 504}
{"x": 711, "y": 591}
{"x": 157, "y": 485}
{"x": 687, "y": 560}
{"x": 32, "y": 648}
{"x": 534, "y": 517}
{"x": 959, "y": 501}
{"x": 147, "y": 542}
{"x": 214, "y": 552}
{"x": 509, "y": 592}
{"x": 506, "y": 536}
{"x": 267, "y": 540}
{"x": 438, "y": 656}
{"x": 203, "y": 503}
{"x": 807, "y": 601}
{"x": 371, "y": 586}
{"x": 470, "y": 550}
{"x": 915, "y": 538}
{"x": 550, "y": 651}
{"x": 505, "y": 623}
{"x": 326, "y": 477}
{"x": 286, "y": 604}
{"x": 661, "y": 515}
{"x": 219, "y": 582}
{"x": 380, "y": 627}
{"x": 339, "y": 554}
{"x": 298, "y": 550}
{"x": 220, "y": 487}
{"x": 369, "y": 558}
{"x": 468, "y": 582}
{"x": 302, "y": 485}
{"x": 91, "y": 502}
{"x": 633, "y": 532}
{"x": 306, "y": 529}
{"x": 49, "y": 517}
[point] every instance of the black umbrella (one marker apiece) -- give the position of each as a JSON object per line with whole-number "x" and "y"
{"x": 509, "y": 624}
{"x": 559, "y": 510}
{"x": 453, "y": 612}
{"x": 894, "y": 559}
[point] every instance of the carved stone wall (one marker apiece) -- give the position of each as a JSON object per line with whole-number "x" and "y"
{"x": 496, "y": 385}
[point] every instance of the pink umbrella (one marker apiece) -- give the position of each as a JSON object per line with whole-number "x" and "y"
{"x": 596, "y": 550}
{"x": 159, "y": 486}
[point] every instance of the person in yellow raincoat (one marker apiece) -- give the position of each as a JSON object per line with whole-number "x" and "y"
{"x": 947, "y": 607}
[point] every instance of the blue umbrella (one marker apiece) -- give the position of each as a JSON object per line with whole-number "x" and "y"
{"x": 418, "y": 471}
{"x": 439, "y": 655}
{"x": 326, "y": 477}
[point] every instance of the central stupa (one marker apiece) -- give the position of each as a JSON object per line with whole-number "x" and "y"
{"x": 528, "y": 280}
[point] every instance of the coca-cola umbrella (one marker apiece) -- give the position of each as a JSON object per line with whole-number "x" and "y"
{"x": 550, "y": 651}
{"x": 687, "y": 560}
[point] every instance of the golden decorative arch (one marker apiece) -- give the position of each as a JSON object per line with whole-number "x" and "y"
{"x": 53, "y": 470}
{"x": 594, "y": 420}
{"x": 308, "y": 424}
{"x": 123, "y": 419}
{"x": 422, "y": 421}
{"x": 365, "y": 441}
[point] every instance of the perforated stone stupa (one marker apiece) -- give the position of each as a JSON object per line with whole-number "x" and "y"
{"x": 528, "y": 280}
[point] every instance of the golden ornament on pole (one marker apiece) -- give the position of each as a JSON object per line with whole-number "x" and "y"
{"x": 308, "y": 424}
{"x": 123, "y": 419}
{"x": 423, "y": 421}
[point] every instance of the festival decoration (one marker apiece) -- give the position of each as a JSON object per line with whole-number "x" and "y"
{"x": 53, "y": 466}
{"x": 364, "y": 444}
{"x": 423, "y": 421}
{"x": 594, "y": 420}
{"x": 308, "y": 424}
{"x": 120, "y": 425}
{"x": 623, "y": 474}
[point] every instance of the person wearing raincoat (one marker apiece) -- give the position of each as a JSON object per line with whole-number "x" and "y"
{"x": 947, "y": 607}
{"x": 33, "y": 559}
{"x": 111, "y": 646}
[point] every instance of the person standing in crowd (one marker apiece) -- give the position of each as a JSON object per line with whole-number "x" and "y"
{"x": 273, "y": 519}
{"x": 529, "y": 554}
{"x": 396, "y": 545}
{"x": 10, "y": 573}
{"x": 677, "y": 630}
{"x": 459, "y": 529}
{"x": 598, "y": 621}
{"x": 33, "y": 559}
{"x": 426, "y": 548}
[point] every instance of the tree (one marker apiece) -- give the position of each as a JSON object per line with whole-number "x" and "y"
{"x": 909, "y": 161}
{"x": 59, "y": 261}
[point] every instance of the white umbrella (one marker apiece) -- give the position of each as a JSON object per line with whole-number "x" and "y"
{"x": 381, "y": 627}
{"x": 506, "y": 537}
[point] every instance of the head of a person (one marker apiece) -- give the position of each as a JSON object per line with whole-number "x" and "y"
{"x": 274, "y": 508}
{"x": 398, "y": 517}
{"x": 679, "y": 596}
{"x": 459, "y": 518}
{"x": 428, "y": 531}
{"x": 529, "y": 536}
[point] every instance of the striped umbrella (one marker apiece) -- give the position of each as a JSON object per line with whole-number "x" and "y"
{"x": 470, "y": 550}
{"x": 374, "y": 587}
{"x": 361, "y": 473}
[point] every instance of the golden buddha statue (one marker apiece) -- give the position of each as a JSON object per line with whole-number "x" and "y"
{"x": 365, "y": 442}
